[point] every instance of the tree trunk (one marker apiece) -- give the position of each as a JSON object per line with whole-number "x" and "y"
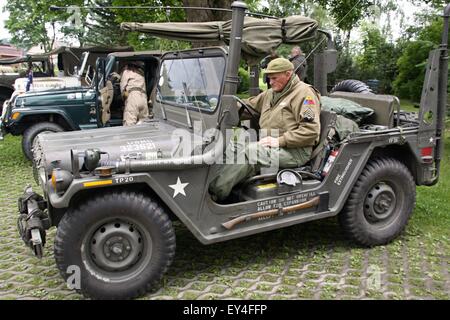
{"x": 347, "y": 41}
{"x": 207, "y": 15}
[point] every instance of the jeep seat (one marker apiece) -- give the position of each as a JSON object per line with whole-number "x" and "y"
{"x": 327, "y": 131}
{"x": 382, "y": 105}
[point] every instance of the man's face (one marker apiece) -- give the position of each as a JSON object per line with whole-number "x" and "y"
{"x": 294, "y": 53}
{"x": 279, "y": 80}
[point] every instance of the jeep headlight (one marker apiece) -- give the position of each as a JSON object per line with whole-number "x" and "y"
{"x": 61, "y": 180}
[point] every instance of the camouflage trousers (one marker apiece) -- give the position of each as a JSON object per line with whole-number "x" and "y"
{"x": 255, "y": 157}
{"x": 136, "y": 108}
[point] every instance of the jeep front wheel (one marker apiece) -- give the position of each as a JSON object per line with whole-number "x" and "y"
{"x": 380, "y": 204}
{"x": 31, "y": 133}
{"x": 122, "y": 244}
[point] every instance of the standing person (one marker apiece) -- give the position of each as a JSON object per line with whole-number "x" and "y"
{"x": 291, "y": 109}
{"x": 298, "y": 58}
{"x": 29, "y": 76}
{"x": 132, "y": 87}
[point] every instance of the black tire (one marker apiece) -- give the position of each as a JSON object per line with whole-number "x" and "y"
{"x": 354, "y": 86}
{"x": 380, "y": 203}
{"x": 31, "y": 133}
{"x": 100, "y": 224}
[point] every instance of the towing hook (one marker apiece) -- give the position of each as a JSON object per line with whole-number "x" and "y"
{"x": 33, "y": 221}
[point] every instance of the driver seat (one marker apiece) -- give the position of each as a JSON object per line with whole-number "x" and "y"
{"x": 327, "y": 131}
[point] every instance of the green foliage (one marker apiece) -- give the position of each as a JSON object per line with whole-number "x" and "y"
{"x": 28, "y": 22}
{"x": 244, "y": 81}
{"x": 347, "y": 13}
{"x": 409, "y": 82}
{"x": 411, "y": 65}
{"x": 141, "y": 41}
{"x": 378, "y": 59}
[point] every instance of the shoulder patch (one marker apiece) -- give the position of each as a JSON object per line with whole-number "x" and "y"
{"x": 309, "y": 115}
{"x": 309, "y": 101}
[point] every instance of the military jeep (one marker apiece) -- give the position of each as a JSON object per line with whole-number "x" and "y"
{"x": 41, "y": 67}
{"x": 113, "y": 192}
{"x": 78, "y": 106}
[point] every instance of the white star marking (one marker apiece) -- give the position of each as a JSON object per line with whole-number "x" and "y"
{"x": 178, "y": 188}
{"x": 431, "y": 140}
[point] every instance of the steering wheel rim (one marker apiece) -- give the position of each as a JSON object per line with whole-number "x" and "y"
{"x": 252, "y": 113}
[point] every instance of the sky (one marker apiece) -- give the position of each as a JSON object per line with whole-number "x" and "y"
{"x": 3, "y": 16}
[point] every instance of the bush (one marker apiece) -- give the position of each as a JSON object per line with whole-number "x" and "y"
{"x": 244, "y": 81}
{"x": 411, "y": 66}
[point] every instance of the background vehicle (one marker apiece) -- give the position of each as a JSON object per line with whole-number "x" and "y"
{"x": 113, "y": 192}
{"x": 42, "y": 67}
{"x": 73, "y": 108}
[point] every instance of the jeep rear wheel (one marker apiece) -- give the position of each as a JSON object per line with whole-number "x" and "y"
{"x": 380, "y": 204}
{"x": 31, "y": 133}
{"x": 121, "y": 242}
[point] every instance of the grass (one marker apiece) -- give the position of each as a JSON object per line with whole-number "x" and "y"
{"x": 408, "y": 105}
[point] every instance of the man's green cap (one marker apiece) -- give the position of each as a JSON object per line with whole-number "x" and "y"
{"x": 279, "y": 65}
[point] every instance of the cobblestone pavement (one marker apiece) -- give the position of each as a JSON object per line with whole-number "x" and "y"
{"x": 310, "y": 261}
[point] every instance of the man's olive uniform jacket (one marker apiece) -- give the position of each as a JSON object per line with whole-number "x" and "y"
{"x": 296, "y": 114}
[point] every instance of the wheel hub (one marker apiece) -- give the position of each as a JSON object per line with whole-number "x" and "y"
{"x": 116, "y": 246}
{"x": 380, "y": 203}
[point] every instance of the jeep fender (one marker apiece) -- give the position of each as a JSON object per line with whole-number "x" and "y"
{"x": 153, "y": 182}
{"x": 26, "y": 113}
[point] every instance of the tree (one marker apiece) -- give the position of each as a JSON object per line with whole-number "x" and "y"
{"x": 377, "y": 59}
{"x": 142, "y": 41}
{"x": 29, "y": 21}
{"x": 99, "y": 25}
{"x": 412, "y": 63}
{"x": 346, "y": 13}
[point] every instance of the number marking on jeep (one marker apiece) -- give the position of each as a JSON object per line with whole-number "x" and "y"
{"x": 124, "y": 180}
{"x": 394, "y": 140}
{"x": 139, "y": 145}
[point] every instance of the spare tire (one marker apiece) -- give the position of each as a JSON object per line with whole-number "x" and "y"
{"x": 354, "y": 86}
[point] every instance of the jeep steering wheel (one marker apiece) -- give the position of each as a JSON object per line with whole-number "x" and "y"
{"x": 254, "y": 115}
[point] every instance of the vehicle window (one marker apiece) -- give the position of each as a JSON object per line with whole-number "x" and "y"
{"x": 193, "y": 82}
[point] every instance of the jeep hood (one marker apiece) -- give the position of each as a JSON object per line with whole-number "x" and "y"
{"x": 53, "y": 96}
{"x": 150, "y": 140}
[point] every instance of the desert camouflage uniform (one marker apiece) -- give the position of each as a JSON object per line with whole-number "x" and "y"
{"x": 132, "y": 87}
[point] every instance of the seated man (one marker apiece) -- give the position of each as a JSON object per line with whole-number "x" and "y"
{"x": 290, "y": 108}
{"x": 132, "y": 86}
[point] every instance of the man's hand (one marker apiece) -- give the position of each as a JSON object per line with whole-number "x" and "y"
{"x": 269, "y": 142}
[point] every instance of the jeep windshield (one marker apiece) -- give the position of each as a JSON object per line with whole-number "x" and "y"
{"x": 191, "y": 82}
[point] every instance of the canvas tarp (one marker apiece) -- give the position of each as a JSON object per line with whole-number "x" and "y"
{"x": 259, "y": 35}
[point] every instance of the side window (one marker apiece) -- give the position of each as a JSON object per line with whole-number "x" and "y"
{"x": 193, "y": 82}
